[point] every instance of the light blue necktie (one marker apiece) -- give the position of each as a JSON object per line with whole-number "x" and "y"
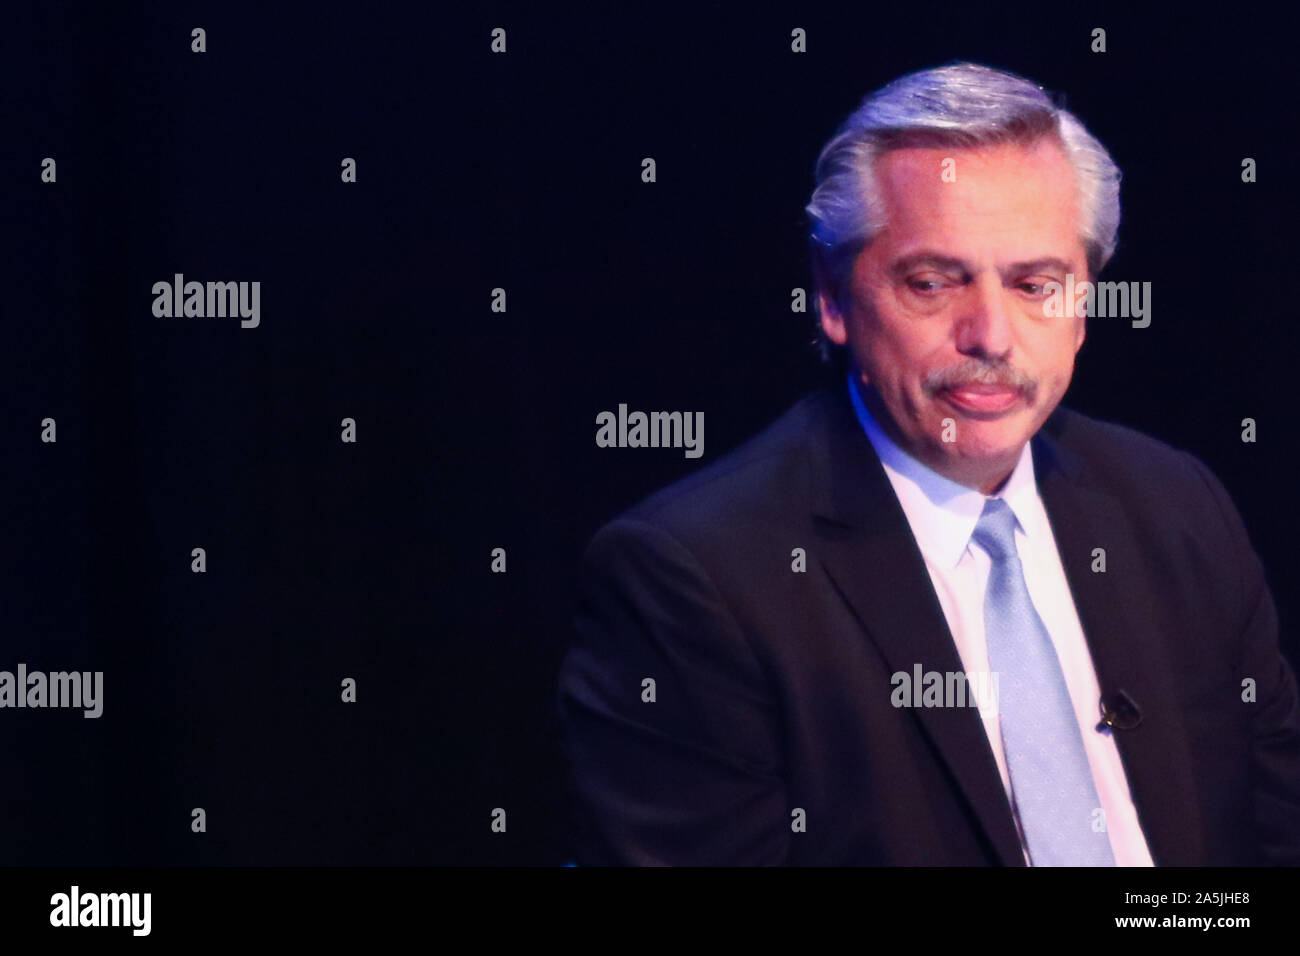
{"x": 1051, "y": 781}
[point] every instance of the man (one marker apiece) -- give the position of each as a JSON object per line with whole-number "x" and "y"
{"x": 742, "y": 686}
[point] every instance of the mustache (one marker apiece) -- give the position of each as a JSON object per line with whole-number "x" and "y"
{"x": 976, "y": 372}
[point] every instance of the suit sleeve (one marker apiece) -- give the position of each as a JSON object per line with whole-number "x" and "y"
{"x": 1275, "y": 712}
{"x": 683, "y": 771}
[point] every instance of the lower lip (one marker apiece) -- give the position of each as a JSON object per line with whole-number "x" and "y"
{"x": 982, "y": 401}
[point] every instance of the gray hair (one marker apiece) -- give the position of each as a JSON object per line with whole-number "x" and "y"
{"x": 959, "y": 106}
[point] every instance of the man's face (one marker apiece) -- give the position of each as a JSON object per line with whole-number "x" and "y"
{"x": 947, "y": 318}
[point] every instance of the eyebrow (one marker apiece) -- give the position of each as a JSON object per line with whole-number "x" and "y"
{"x": 943, "y": 263}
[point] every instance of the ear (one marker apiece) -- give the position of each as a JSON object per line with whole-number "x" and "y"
{"x": 832, "y": 321}
{"x": 1082, "y": 331}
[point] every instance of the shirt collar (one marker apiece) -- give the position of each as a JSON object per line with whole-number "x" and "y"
{"x": 943, "y": 513}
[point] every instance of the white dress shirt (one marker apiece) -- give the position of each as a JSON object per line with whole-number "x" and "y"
{"x": 942, "y": 515}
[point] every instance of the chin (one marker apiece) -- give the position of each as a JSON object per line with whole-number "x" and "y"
{"x": 1002, "y": 444}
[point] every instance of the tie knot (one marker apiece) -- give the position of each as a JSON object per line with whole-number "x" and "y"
{"x": 995, "y": 532}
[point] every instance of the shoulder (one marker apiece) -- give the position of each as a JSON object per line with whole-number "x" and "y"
{"x": 1115, "y": 451}
{"x": 1155, "y": 480}
{"x": 761, "y": 484}
{"x": 1119, "y": 458}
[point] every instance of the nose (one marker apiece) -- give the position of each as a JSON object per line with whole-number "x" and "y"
{"x": 984, "y": 322}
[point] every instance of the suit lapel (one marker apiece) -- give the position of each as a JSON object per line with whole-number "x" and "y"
{"x": 869, "y": 552}
{"x": 1119, "y": 623}
{"x": 867, "y": 548}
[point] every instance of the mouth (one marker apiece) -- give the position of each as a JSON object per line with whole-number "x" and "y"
{"x": 982, "y": 401}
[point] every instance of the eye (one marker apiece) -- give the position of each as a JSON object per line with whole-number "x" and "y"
{"x": 1035, "y": 287}
{"x": 928, "y": 284}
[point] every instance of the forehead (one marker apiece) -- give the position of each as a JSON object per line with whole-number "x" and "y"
{"x": 1010, "y": 194}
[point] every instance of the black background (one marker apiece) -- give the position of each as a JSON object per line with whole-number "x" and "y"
{"x": 476, "y": 429}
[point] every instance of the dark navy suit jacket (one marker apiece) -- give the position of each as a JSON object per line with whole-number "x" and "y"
{"x": 772, "y": 689}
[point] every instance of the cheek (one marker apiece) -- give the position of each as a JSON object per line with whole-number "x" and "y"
{"x": 1061, "y": 362}
{"x": 908, "y": 357}
{"x": 1047, "y": 350}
